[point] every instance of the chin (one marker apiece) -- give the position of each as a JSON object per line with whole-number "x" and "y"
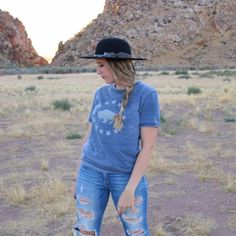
{"x": 108, "y": 82}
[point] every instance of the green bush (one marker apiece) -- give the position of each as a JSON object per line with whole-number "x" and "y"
{"x": 73, "y": 135}
{"x": 63, "y": 105}
{"x": 53, "y": 78}
{"x": 163, "y": 120}
{"x": 181, "y": 72}
{"x": 194, "y": 90}
{"x": 40, "y": 77}
{"x": 164, "y": 73}
{"x": 30, "y": 88}
{"x": 184, "y": 77}
{"x": 212, "y": 73}
{"x": 229, "y": 119}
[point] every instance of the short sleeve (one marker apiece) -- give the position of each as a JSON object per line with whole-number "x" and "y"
{"x": 150, "y": 111}
{"x": 94, "y": 103}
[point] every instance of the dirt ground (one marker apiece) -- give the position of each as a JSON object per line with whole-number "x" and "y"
{"x": 192, "y": 175}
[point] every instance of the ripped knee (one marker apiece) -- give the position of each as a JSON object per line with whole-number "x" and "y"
{"x": 89, "y": 215}
{"x": 132, "y": 220}
{"x": 135, "y": 232}
{"x": 83, "y": 200}
{"x": 85, "y": 232}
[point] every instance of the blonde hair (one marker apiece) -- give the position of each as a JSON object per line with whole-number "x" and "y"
{"x": 124, "y": 74}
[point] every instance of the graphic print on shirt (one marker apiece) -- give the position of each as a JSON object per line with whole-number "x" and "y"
{"x": 103, "y": 117}
{"x": 106, "y": 116}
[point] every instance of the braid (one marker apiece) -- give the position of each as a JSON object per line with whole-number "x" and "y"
{"x": 124, "y": 73}
{"x": 118, "y": 122}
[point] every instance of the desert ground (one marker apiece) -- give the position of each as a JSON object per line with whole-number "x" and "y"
{"x": 192, "y": 174}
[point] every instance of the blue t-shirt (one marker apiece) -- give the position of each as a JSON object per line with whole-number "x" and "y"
{"x": 112, "y": 150}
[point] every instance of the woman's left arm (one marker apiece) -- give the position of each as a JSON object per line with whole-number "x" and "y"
{"x": 148, "y": 142}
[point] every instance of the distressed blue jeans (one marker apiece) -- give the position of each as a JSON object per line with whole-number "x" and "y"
{"x": 93, "y": 189}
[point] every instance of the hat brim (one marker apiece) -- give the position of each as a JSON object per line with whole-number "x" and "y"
{"x": 111, "y": 55}
{"x": 116, "y": 58}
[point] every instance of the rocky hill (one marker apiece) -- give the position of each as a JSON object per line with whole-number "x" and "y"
{"x": 167, "y": 32}
{"x": 15, "y": 46}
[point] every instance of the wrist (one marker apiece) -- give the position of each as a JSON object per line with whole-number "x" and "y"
{"x": 130, "y": 188}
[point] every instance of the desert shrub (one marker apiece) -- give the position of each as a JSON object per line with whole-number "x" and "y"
{"x": 164, "y": 73}
{"x": 63, "y": 105}
{"x": 209, "y": 75}
{"x": 226, "y": 73}
{"x": 162, "y": 118}
{"x": 53, "y": 78}
{"x": 227, "y": 79}
{"x": 73, "y": 135}
{"x": 30, "y": 88}
{"x": 44, "y": 164}
{"x": 229, "y": 119}
{"x": 181, "y": 72}
{"x": 213, "y": 73}
{"x": 17, "y": 194}
{"x": 40, "y": 77}
{"x": 184, "y": 77}
{"x": 194, "y": 90}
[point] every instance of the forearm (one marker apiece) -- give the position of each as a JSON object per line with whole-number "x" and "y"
{"x": 140, "y": 167}
{"x": 148, "y": 141}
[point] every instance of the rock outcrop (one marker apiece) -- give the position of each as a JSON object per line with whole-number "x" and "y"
{"x": 167, "y": 32}
{"x": 15, "y": 46}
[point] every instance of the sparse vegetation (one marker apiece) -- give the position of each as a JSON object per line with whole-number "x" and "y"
{"x": 63, "y": 105}
{"x": 232, "y": 222}
{"x": 53, "y": 78}
{"x": 194, "y": 90}
{"x": 193, "y": 161}
{"x": 44, "y": 164}
{"x": 213, "y": 74}
{"x": 163, "y": 120}
{"x": 160, "y": 232}
{"x": 164, "y": 73}
{"x": 30, "y": 88}
{"x": 16, "y": 194}
{"x": 196, "y": 225}
{"x": 184, "y": 77}
{"x": 181, "y": 72}
{"x": 40, "y": 77}
{"x": 229, "y": 119}
{"x": 73, "y": 135}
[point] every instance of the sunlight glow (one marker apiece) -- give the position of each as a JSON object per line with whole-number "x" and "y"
{"x": 48, "y": 22}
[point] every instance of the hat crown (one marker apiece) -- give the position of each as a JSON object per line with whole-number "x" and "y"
{"x": 112, "y": 45}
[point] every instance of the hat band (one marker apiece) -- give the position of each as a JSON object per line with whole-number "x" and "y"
{"x": 113, "y": 55}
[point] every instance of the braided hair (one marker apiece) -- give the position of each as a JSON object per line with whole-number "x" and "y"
{"x": 124, "y": 74}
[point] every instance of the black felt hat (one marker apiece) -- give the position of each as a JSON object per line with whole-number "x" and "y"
{"x": 113, "y": 48}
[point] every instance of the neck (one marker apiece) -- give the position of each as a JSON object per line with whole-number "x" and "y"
{"x": 118, "y": 86}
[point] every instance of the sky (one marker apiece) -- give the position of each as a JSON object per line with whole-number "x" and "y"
{"x": 48, "y": 22}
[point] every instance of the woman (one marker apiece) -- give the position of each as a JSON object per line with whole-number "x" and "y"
{"x": 123, "y": 126}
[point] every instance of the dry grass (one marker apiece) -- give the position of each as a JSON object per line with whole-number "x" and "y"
{"x": 187, "y": 225}
{"x": 44, "y": 164}
{"x": 17, "y": 194}
{"x": 37, "y": 162}
{"x": 160, "y": 232}
{"x": 196, "y": 225}
{"x": 232, "y": 222}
